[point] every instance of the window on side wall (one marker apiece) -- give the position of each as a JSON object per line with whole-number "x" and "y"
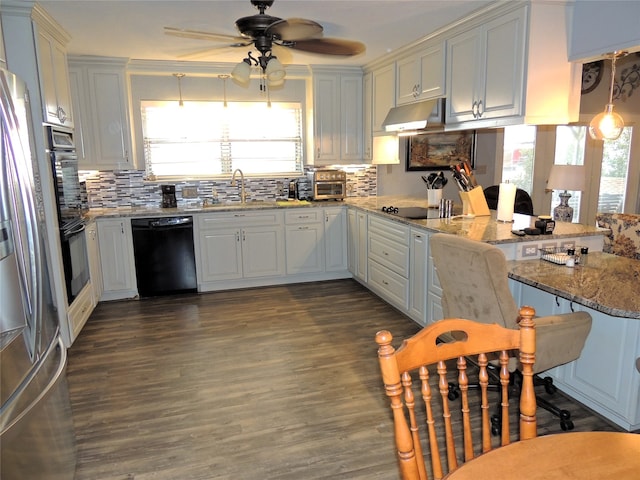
{"x": 518, "y": 156}
{"x": 570, "y": 150}
{"x": 616, "y": 155}
{"x": 204, "y": 139}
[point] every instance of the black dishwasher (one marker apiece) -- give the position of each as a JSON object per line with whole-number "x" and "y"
{"x": 164, "y": 255}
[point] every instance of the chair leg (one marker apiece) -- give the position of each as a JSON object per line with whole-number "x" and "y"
{"x": 564, "y": 415}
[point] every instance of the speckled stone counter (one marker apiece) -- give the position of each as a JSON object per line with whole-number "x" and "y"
{"x": 483, "y": 229}
{"x": 607, "y": 283}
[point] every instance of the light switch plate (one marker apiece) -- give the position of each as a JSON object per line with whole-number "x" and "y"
{"x": 529, "y": 251}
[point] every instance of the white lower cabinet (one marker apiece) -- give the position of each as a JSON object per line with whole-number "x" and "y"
{"x": 234, "y": 246}
{"x": 335, "y": 239}
{"x": 606, "y": 376}
{"x": 357, "y": 244}
{"x": 116, "y": 259}
{"x": 388, "y": 265}
{"x": 434, "y": 295}
{"x": 304, "y": 237}
{"x": 93, "y": 254}
{"x": 79, "y": 311}
{"x": 418, "y": 278}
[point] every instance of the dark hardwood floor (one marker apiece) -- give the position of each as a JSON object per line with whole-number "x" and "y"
{"x": 270, "y": 383}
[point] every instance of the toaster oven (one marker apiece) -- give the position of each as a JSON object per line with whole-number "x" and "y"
{"x": 328, "y": 184}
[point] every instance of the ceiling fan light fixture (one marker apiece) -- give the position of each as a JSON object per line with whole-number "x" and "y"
{"x": 274, "y": 70}
{"x": 241, "y": 73}
{"x": 275, "y": 83}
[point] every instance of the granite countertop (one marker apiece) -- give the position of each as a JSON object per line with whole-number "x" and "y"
{"x": 483, "y": 229}
{"x": 606, "y": 283}
{"x": 148, "y": 211}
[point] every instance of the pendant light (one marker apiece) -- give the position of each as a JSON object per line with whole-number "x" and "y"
{"x": 608, "y": 125}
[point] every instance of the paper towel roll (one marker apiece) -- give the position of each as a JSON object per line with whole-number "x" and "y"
{"x": 506, "y": 201}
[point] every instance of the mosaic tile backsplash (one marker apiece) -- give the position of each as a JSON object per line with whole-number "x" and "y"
{"x": 127, "y": 188}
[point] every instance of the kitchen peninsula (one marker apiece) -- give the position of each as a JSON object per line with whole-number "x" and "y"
{"x": 606, "y": 377}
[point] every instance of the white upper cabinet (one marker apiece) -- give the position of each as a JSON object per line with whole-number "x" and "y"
{"x": 100, "y": 108}
{"x": 421, "y": 76}
{"x": 384, "y": 93}
{"x": 367, "y": 116}
{"x": 338, "y": 110}
{"x": 510, "y": 67}
{"x": 53, "y": 71}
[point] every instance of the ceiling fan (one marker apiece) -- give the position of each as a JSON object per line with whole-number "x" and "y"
{"x": 266, "y": 32}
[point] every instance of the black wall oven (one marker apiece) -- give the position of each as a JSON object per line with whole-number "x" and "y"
{"x": 69, "y": 204}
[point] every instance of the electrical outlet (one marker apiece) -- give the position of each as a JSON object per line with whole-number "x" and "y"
{"x": 189, "y": 192}
{"x": 280, "y": 188}
{"x": 529, "y": 251}
{"x": 567, "y": 245}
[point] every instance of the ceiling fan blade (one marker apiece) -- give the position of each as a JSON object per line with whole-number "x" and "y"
{"x": 282, "y": 53}
{"x": 295, "y": 29}
{"x": 329, "y": 46}
{"x": 216, "y": 37}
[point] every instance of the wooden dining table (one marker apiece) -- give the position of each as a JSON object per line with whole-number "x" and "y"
{"x": 573, "y": 455}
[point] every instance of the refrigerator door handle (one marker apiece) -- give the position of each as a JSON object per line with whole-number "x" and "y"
{"x": 44, "y": 392}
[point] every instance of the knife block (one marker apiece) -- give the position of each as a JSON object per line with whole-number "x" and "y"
{"x": 474, "y": 203}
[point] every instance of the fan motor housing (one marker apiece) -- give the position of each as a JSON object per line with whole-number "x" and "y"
{"x": 254, "y": 25}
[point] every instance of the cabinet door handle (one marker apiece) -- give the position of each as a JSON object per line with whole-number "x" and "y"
{"x": 62, "y": 115}
{"x": 303, "y": 228}
{"x": 474, "y": 109}
{"x": 480, "y": 109}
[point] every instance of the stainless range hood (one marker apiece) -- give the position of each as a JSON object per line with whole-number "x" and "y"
{"x": 415, "y": 116}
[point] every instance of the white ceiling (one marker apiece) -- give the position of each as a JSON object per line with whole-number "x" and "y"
{"x": 134, "y": 28}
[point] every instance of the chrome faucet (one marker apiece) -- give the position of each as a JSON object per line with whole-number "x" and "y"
{"x": 243, "y": 195}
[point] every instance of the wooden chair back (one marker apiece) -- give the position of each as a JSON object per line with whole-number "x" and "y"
{"x": 478, "y": 342}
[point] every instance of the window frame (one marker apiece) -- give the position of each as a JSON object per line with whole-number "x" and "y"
{"x": 226, "y": 135}
{"x": 150, "y": 84}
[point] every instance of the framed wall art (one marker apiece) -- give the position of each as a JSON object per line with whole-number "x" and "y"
{"x": 440, "y": 150}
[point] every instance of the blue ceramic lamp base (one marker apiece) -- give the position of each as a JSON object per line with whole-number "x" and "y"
{"x": 563, "y": 212}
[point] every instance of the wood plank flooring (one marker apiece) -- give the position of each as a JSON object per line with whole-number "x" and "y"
{"x": 270, "y": 383}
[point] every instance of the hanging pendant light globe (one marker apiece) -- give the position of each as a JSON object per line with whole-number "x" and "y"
{"x": 607, "y": 125}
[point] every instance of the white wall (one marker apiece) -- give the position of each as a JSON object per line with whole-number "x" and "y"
{"x": 395, "y": 180}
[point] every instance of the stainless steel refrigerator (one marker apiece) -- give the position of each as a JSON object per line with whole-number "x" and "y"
{"x": 36, "y": 427}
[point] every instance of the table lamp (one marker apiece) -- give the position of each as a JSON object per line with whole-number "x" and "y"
{"x": 565, "y": 177}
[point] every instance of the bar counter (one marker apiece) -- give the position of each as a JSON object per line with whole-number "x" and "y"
{"x": 607, "y": 283}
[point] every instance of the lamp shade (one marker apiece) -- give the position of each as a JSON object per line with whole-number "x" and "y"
{"x": 566, "y": 177}
{"x": 241, "y": 73}
{"x": 274, "y": 71}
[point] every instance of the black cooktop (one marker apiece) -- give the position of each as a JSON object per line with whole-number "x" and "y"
{"x": 412, "y": 212}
